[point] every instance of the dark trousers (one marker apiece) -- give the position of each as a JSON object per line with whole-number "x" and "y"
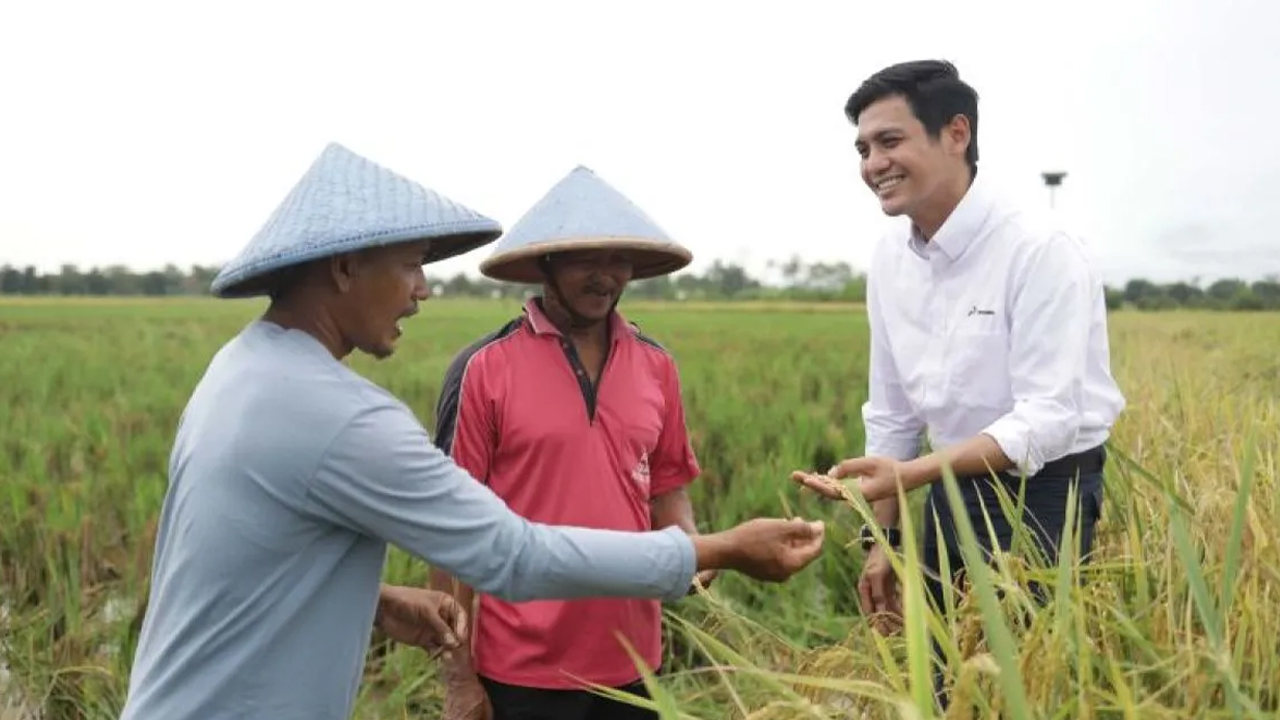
{"x": 1044, "y": 514}
{"x": 513, "y": 702}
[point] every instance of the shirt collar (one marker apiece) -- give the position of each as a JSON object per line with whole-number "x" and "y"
{"x": 542, "y": 325}
{"x": 961, "y": 227}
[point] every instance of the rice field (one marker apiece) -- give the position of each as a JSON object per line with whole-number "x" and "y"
{"x": 1178, "y": 617}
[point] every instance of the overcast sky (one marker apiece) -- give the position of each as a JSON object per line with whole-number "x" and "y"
{"x": 153, "y": 133}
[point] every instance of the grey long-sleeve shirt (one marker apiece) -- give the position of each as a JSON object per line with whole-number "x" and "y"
{"x": 289, "y": 476}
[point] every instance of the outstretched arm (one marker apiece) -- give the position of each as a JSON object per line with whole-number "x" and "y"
{"x": 383, "y": 478}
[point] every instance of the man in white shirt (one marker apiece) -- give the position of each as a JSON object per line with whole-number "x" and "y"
{"x": 988, "y": 336}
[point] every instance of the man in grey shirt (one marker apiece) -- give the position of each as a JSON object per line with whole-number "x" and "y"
{"x": 291, "y": 473}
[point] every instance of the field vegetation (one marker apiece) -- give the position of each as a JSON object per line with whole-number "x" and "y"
{"x": 1178, "y": 616}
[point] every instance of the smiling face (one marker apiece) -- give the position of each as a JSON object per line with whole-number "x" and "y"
{"x": 590, "y": 282}
{"x": 379, "y": 288}
{"x": 910, "y": 172}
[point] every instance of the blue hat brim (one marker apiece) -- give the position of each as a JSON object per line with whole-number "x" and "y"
{"x": 259, "y": 278}
{"x": 347, "y": 203}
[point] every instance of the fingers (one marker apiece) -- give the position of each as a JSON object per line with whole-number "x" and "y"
{"x": 853, "y": 467}
{"x": 816, "y": 483}
{"x": 702, "y": 579}
{"x": 826, "y": 486}
{"x": 807, "y": 539}
{"x": 878, "y": 599}
{"x": 439, "y": 622}
{"x": 442, "y": 630}
{"x": 816, "y": 529}
{"x": 799, "y": 544}
{"x": 803, "y": 531}
{"x": 894, "y": 605}
{"x": 884, "y": 598}
{"x": 864, "y": 598}
{"x": 460, "y": 619}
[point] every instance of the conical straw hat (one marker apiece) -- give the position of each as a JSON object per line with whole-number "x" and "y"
{"x": 344, "y": 203}
{"x": 583, "y": 212}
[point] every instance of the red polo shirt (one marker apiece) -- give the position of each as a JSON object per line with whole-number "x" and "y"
{"x": 517, "y": 410}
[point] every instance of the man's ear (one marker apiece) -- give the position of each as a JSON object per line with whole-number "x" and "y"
{"x": 957, "y": 135}
{"x": 344, "y": 269}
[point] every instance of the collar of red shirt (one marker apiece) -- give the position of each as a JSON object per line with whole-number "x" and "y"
{"x": 619, "y": 327}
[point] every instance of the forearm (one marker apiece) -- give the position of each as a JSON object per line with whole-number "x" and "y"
{"x": 673, "y": 508}
{"x": 886, "y": 512}
{"x": 414, "y": 497}
{"x": 569, "y": 562}
{"x": 517, "y": 561}
{"x": 444, "y": 582}
{"x": 979, "y": 455}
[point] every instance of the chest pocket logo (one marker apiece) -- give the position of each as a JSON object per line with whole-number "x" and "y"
{"x": 640, "y": 473}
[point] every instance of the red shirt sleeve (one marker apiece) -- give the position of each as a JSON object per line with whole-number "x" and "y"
{"x": 674, "y": 464}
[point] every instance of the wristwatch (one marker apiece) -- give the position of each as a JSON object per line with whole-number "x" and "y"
{"x": 867, "y": 538}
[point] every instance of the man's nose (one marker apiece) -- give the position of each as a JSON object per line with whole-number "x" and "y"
{"x": 421, "y": 288}
{"x": 877, "y": 161}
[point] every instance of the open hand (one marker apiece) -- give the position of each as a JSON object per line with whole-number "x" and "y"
{"x": 876, "y": 478}
{"x": 429, "y": 619}
{"x": 770, "y": 549}
{"x": 878, "y": 593}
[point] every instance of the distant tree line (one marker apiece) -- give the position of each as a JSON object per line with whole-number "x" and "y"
{"x": 796, "y": 280}
{"x": 113, "y": 280}
{"x": 1224, "y": 294}
{"x": 721, "y": 281}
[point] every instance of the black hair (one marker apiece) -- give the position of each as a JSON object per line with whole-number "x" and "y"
{"x": 934, "y": 92}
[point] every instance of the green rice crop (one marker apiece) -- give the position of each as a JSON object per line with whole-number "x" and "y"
{"x": 1176, "y": 616}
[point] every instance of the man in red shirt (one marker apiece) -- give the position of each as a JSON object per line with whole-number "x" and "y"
{"x": 572, "y": 417}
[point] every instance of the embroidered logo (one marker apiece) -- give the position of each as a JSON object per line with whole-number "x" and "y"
{"x": 975, "y": 311}
{"x": 640, "y": 473}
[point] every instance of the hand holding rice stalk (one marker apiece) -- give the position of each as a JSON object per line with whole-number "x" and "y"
{"x": 876, "y": 478}
{"x": 828, "y": 486}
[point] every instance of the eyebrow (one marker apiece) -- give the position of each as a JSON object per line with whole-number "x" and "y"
{"x": 879, "y": 135}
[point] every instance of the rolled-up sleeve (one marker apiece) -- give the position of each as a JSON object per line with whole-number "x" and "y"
{"x": 384, "y": 478}
{"x": 1051, "y": 314}
{"x": 892, "y": 426}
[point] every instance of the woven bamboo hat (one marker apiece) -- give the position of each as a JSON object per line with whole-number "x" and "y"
{"x": 343, "y": 203}
{"x": 583, "y": 212}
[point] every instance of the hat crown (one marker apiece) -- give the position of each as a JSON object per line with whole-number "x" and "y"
{"x": 346, "y": 202}
{"x": 581, "y": 206}
{"x": 582, "y": 211}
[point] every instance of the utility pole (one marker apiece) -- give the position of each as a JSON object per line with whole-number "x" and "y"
{"x": 1052, "y": 180}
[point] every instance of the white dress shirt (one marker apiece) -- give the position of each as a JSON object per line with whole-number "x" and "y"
{"x": 997, "y": 325}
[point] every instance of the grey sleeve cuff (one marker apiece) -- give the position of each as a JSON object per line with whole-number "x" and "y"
{"x": 688, "y": 560}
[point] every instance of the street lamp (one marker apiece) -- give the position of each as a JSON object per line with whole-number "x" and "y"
{"x": 1052, "y": 180}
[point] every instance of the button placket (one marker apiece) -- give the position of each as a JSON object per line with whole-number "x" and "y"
{"x": 939, "y": 323}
